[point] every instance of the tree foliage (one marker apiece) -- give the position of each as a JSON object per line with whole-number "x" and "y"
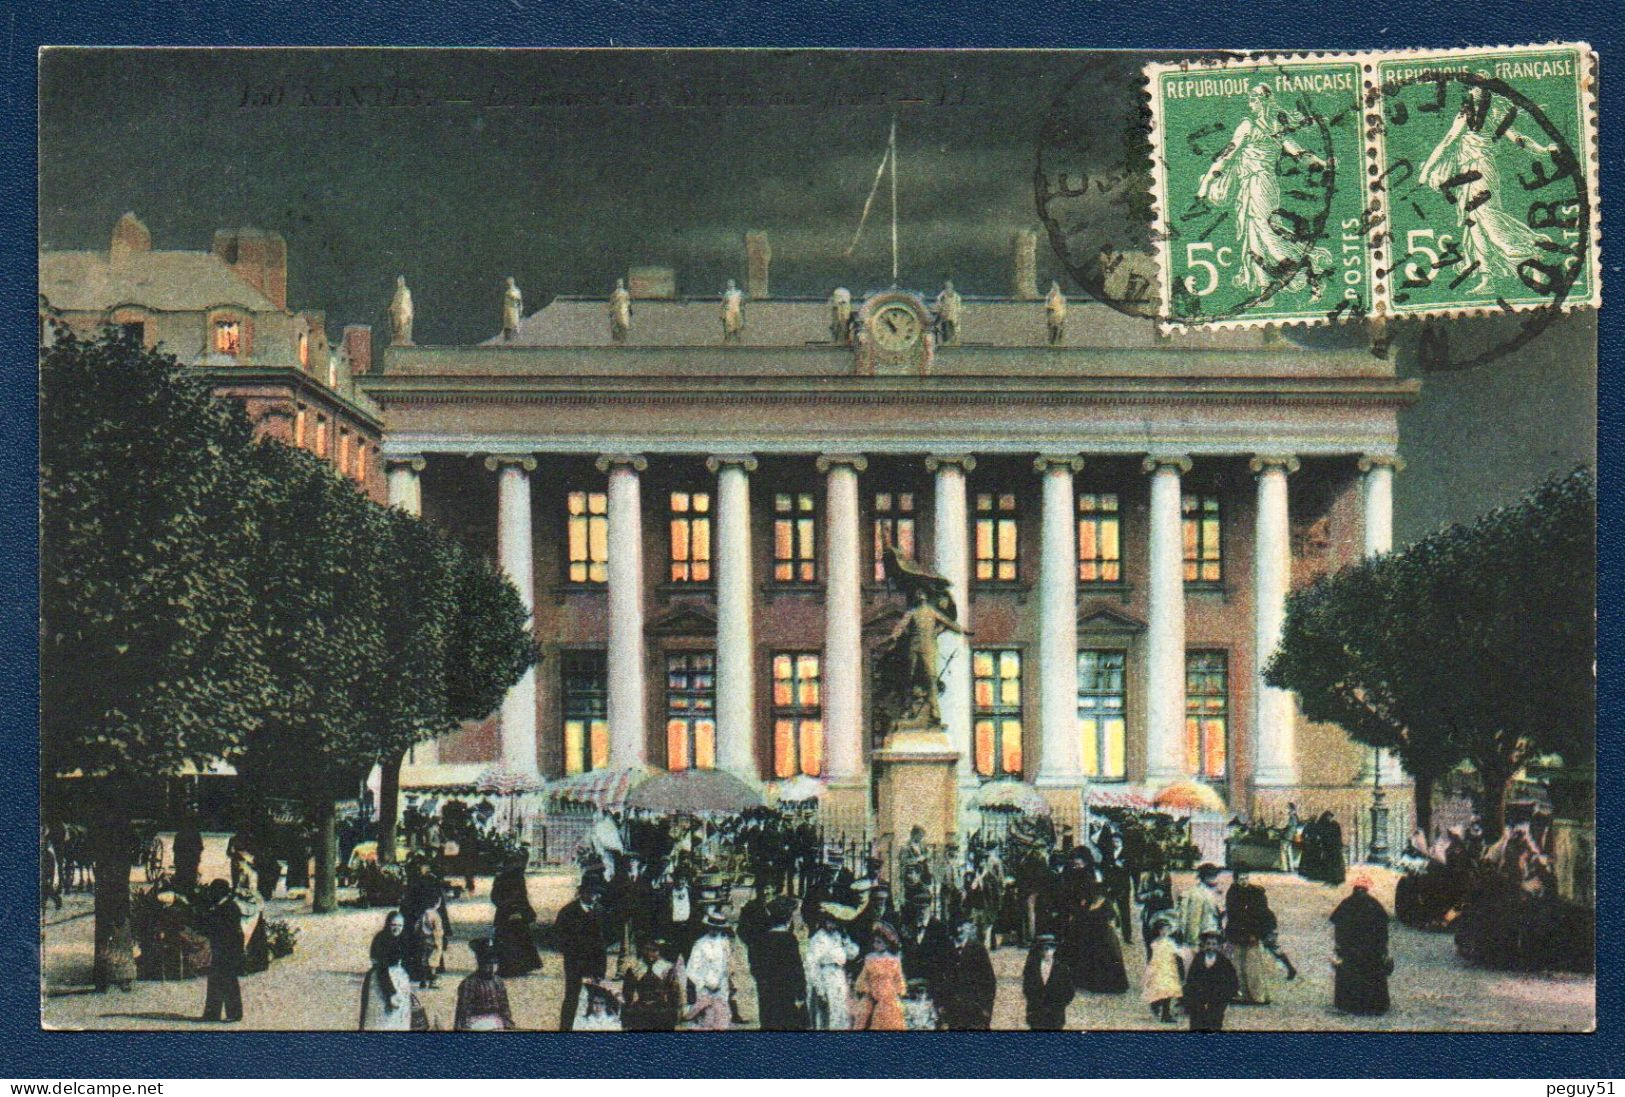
{"x": 1476, "y": 644}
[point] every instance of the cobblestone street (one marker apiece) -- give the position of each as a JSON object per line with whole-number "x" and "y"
{"x": 319, "y": 986}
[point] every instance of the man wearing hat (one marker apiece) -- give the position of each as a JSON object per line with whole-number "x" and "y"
{"x": 221, "y": 923}
{"x": 652, "y": 989}
{"x": 925, "y": 945}
{"x": 709, "y": 971}
{"x": 1210, "y": 984}
{"x": 969, "y": 985}
{"x": 482, "y": 998}
{"x": 776, "y": 965}
{"x": 1047, "y": 984}
{"x": 578, "y": 932}
{"x": 1199, "y": 909}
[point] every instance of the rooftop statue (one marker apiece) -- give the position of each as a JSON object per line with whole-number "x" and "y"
{"x": 620, "y": 312}
{"x": 948, "y": 313}
{"x": 400, "y": 314}
{"x": 907, "y": 678}
{"x": 840, "y": 316}
{"x": 513, "y": 309}
{"x": 1055, "y": 312}
{"x": 733, "y": 313}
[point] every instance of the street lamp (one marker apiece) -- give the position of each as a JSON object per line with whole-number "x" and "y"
{"x": 1377, "y": 852}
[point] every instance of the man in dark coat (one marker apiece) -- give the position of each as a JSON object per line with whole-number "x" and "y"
{"x": 578, "y": 932}
{"x": 1248, "y": 924}
{"x": 1210, "y": 984}
{"x": 1360, "y": 952}
{"x": 188, "y": 850}
{"x": 754, "y": 920}
{"x": 222, "y": 924}
{"x": 781, "y": 980}
{"x": 1046, "y": 982}
{"x": 925, "y": 948}
{"x": 969, "y": 985}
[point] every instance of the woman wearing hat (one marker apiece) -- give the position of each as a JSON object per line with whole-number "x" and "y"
{"x": 1164, "y": 971}
{"x": 879, "y": 988}
{"x": 709, "y": 970}
{"x": 828, "y": 952}
{"x": 482, "y": 998}
{"x": 386, "y": 992}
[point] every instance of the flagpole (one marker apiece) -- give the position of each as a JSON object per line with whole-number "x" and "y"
{"x": 893, "y": 154}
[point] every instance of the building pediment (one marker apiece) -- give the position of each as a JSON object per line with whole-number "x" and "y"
{"x": 1109, "y": 620}
{"x": 684, "y": 620}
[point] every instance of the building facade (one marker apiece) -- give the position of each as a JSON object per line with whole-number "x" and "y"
{"x": 224, "y": 311}
{"x": 694, "y": 506}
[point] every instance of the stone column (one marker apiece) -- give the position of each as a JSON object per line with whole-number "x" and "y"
{"x": 514, "y": 556}
{"x": 1059, "y": 749}
{"x": 628, "y": 735}
{"x": 951, "y": 558}
{"x": 1275, "y": 757}
{"x": 843, "y": 621}
{"x": 1377, "y": 498}
{"x": 1165, "y": 625}
{"x": 736, "y": 646}
{"x": 404, "y": 476}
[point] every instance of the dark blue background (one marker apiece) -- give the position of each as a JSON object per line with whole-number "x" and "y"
{"x": 1306, "y": 25}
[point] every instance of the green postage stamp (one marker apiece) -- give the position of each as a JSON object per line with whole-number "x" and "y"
{"x": 1301, "y": 190}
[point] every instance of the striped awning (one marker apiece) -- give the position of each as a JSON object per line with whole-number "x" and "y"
{"x": 499, "y": 781}
{"x": 1116, "y": 797}
{"x": 605, "y": 789}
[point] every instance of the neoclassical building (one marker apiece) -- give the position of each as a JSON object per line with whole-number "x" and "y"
{"x": 696, "y": 514}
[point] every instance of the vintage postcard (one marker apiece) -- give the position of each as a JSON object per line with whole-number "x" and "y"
{"x": 662, "y": 540}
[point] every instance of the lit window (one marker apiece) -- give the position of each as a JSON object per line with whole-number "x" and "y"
{"x": 304, "y": 350}
{"x": 798, "y": 715}
{"x": 1207, "y": 712}
{"x": 361, "y": 463}
{"x": 691, "y": 537}
{"x": 299, "y": 419}
{"x": 228, "y": 337}
{"x": 586, "y": 710}
{"x": 321, "y": 436}
{"x": 996, "y": 712}
{"x": 1102, "y": 714}
{"x": 587, "y": 534}
{"x": 344, "y": 450}
{"x": 1204, "y": 559}
{"x": 795, "y": 538}
{"x": 996, "y": 537}
{"x": 894, "y": 522}
{"x": 1100, "y": 546}
{"x": 691, "y": 710}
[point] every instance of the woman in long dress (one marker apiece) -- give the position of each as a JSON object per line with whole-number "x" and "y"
{"x": 1245, "y": 176}
{"x": 386, "y": 992}
{"x": 1360, "y": 951}
{"x": 1493, "y": 241}
{"x": 828, "y": 952}
{"x": 880, "y": 987}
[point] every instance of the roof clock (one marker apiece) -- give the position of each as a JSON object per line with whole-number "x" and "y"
{"x": 894, "y": 334}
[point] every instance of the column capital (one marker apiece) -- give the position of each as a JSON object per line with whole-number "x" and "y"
{"x": 522, "y": 460}
{"x": 416, "y": 462}
{"x": 827, "y": 461}
{"x": 935, "y": 461}
{"x": 717, "y": 462}
{"x": 1179, "y": 462}
{"x": 1045, "y": 461}
{"x": 1393, "y": 461}
{"x": 636, "y": 461}
{"x": 1263, "y": 461}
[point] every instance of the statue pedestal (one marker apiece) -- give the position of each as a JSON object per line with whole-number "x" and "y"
{"x": 916, "y": 777}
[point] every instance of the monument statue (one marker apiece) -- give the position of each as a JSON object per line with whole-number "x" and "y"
{"x": 620, "y": 312}
{"x": 840, "y": 316}
{"x": 948, "y": 313}
{"x": 400, "y": 313}
{"x": 907, "y": 681}
{"x": 1055, "y": 312}
{"x": 513, "y": 309}
{"x": 733, "y": 313}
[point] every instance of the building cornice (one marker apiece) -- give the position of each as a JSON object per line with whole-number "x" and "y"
{"x": 292, "y": 376}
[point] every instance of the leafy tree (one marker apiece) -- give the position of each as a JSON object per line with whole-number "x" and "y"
{"x": 1475, "y": 644}
{"x": 149, "y": 655}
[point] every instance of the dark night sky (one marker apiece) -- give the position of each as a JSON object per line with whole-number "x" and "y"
{"x": 564, "y": 168}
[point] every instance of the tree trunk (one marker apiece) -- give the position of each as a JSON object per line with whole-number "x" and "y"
{"x": 114, "y": 963}
{"x": 324, "y": 895}
{"x": 1422, "y": 790}
{"x": 389, "y": 805}
{"x": 1492, "y": 801}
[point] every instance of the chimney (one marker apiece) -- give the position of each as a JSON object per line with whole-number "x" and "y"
{"x": 129, "y": 236}
{"x": 258, "y": 258}
{"x": 358, "y": 348}
{"x": 1024, "y": 246}
{"x": 758, "y": 256}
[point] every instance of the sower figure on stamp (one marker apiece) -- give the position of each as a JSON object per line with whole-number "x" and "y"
{"x": 1246, "y": 176}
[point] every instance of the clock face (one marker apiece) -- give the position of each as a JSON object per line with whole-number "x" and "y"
{"x": 895, "y": 327}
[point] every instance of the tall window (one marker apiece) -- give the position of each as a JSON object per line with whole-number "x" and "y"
{"x": 795, "y": 538}
{"x": 321, "y": 436}
{"x": 691, "y": 537}
{"x": 1102, "y": 714}
{"x": 586, "y": 710}
{"x": 996, "y": 537}
{"x": 798, "y": 714}
{"x": 228, "y": 337}
{"x": 691, "y": 710}
{"x": 1100, "y": 541}
{"x": 1207, "y": 712}
{"x": 587, "y": 536}
{"x": 361, "y": 462}
{"x": 996, "y": 716}
{"x": 1204, "y": 559}
{"x": 894, "y": 522}
{"x": 300, "y": 422}
{"x": 344, "y": 451}
{"x": 304, "y": 350}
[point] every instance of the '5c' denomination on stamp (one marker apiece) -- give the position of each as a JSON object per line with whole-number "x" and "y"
{"x": 1487, "y": 179}
{"x": 1262, "y": 214}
